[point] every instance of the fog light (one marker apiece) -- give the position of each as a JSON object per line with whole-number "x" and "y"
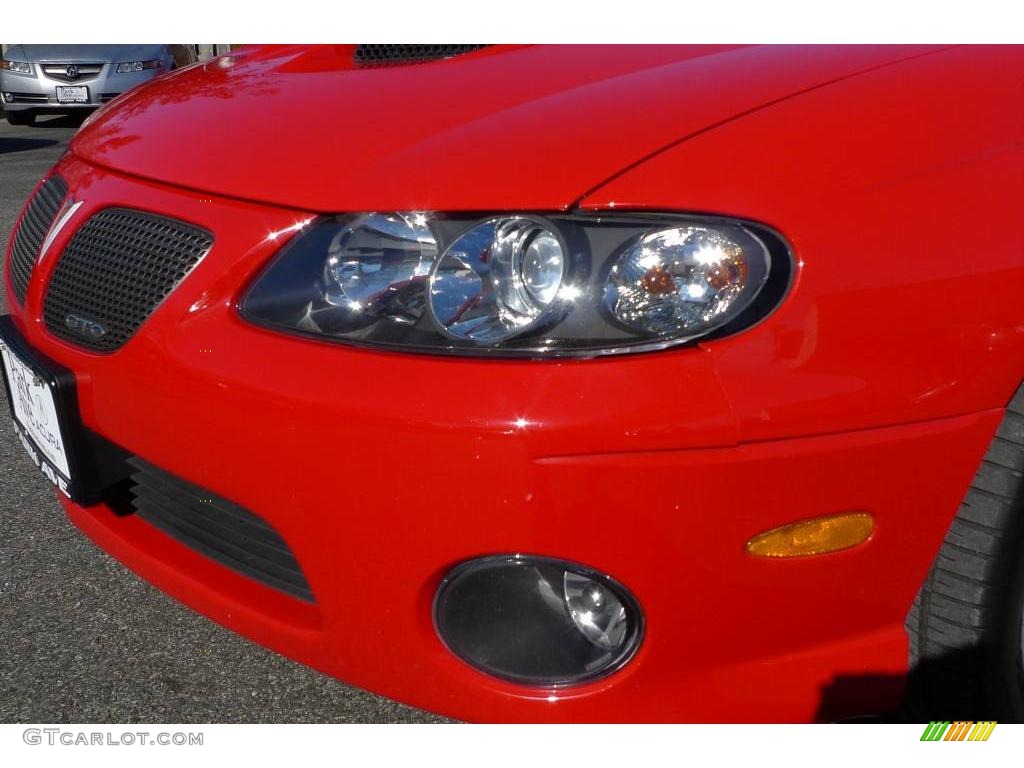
{"x": 536, "y": 620}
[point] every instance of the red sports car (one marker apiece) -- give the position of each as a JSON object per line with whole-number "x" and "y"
{"x": 554, "y": 383}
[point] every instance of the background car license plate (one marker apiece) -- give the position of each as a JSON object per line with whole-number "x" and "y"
{"x": 72, "y": 94}
{"x": 34, "y": 408}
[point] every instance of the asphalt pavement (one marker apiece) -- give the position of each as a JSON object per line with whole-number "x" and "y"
{"x": 82, "y": 639}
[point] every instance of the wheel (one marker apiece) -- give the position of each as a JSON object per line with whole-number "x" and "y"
{"x": 20, "y": 118}
{"x": 965, "y": 627}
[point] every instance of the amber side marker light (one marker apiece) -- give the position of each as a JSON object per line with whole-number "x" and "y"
{"x": 814, "y": 537}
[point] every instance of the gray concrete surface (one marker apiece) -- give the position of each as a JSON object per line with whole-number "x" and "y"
{"x": 82, "y": 639}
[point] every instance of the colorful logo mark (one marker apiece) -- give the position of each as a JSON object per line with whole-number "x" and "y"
{"x": 943, "y": 730}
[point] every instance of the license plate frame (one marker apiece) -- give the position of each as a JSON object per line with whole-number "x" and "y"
{"x": 81, "y": 94}
{"x": 76, "y": 483}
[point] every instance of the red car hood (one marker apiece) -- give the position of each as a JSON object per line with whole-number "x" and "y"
{"x": 507, "y": 127}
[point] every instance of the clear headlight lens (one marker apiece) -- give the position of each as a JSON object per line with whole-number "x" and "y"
{"x": 377, "y": 255}
{"x": 20, "y": 67}
{"x": 125, "y": 67}
{"x": 521, "y": 285}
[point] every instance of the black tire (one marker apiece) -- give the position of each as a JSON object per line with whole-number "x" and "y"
{"x": 965, "y": 625}
{"x": 20, "y": 118}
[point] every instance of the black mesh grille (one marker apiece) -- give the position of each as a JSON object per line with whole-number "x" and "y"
{"x": 385, "y": 55}
{"x": 31, "y": 232}
{"x": 217, "y": 528}
{"x": 115, "y": 271}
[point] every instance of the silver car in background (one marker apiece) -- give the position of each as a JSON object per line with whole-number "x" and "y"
{"x": 61, "y": 79}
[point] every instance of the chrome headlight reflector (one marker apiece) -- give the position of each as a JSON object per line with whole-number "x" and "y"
{"x": 521, "y": 285}
{"x": 685, "y": 280}
{"x": 376, "y": 254}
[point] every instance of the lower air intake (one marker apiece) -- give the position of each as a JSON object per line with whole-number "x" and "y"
{"x": 217, "y": 528}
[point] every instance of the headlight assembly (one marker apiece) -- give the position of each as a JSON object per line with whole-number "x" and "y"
{"x": 126, "y": 67}
{"x": 18, "y": 67}
{"x": 521, "y": 285}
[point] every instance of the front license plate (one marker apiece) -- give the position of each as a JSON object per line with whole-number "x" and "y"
{"x": 37, "y": 418}
{"x": 72, "y": 94}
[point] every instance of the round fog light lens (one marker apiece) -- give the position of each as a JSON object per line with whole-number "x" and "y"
{"x": 537, "y": 621}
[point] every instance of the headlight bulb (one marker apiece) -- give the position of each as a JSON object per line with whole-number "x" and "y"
{"x": 595, "y": 610}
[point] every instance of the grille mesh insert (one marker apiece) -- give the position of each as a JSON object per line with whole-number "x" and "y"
{"x": 217, "y": 528}
{"x": 384, "y": 55}
{"x": 31, "y": 232}
{"x": 116, "y": 270}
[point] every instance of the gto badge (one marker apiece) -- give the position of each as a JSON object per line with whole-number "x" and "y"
{"x": 84, "y": 326}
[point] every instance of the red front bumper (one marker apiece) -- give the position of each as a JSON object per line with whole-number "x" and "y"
{"x": 382, "y": 471}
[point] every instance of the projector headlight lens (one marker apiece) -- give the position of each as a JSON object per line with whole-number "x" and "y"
{"x": 537, "y": 621}
{"x": 521, "y": 285}
{"x": 497, "y": 279}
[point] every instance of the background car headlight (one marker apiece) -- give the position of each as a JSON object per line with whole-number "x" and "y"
{"x": 18, "y": 67}
{"x": 537, "y": 621}
{"x": 521, "y": 285}
{"x": 124, "y": 67}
